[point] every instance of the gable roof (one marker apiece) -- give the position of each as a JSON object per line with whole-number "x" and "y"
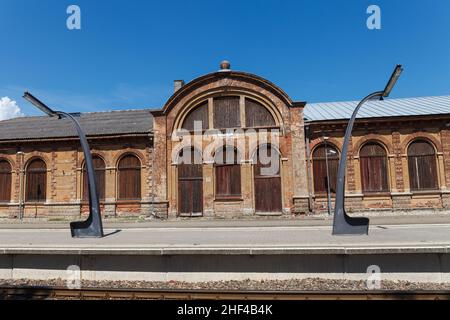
{"x": 437, "y": 105}
{"x": 93, "y": 123}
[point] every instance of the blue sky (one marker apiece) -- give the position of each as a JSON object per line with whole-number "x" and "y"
{"x": 128, "y": 53}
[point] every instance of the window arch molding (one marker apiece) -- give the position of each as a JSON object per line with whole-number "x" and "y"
{"x": 219, "y": 93}
{"x": 421, "y": 136}
{"x": 373, "y": 138}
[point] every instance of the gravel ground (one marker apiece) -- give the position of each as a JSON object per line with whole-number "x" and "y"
{"x": 312, "y": 284}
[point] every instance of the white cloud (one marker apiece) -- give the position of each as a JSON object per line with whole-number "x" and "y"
{"x": 9, "y": 109}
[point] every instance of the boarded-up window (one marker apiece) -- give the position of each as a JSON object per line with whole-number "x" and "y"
{"x": 422, "y": 166}
{"x": 256, "y": 115}
{"x": 200, "y": 115}
{"x": 226, "y": 112}
{"x": 228, "y": 173}
{"x": 373, "y": 163}
{"x": 36, "y": 185}
{"x": 129, "y": 178}
{"x": 320, "y": 158}
{"x": 190, "y": 183}
{"x": 99, "y": 169}
{"x": 5, "y": 181}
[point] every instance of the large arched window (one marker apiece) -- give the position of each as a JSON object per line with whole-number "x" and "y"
{"x": 320, "y": 158}
{"x": 129, "y": 178}
{"x": 422, "y": 166}
{"x": 200, "y": 115}
{"x": 228, "y": 173}
{"x": 5, "y": 181}
{"x": 99, "y": 169}
{"x": 36, "y": 186}
{"x": 373, "y": 163}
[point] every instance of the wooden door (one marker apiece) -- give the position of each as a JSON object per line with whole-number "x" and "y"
{"x": 190, "y": 189}
{"x": 267, "y": 181}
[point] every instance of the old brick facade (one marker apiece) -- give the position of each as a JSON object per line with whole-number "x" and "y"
{"x": 295, "y": 140}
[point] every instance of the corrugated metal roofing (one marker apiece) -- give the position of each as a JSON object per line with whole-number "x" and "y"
{"x": 94, "y": 124}
{"x": 375, "y": 109}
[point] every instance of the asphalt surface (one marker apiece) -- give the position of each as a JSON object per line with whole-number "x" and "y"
{"x": 282, "y": 237}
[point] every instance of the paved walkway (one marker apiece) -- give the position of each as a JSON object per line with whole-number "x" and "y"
{"x": 242, "y": 240}
{"x": 213, "y": 223}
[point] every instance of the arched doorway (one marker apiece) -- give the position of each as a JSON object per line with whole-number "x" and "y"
{"x": 190, "y": 183}
{"x": 267, "y": 180}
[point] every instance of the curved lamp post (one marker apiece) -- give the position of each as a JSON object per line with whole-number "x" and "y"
{"x": 342, "y": 223}
{"x": 92, "y": 227}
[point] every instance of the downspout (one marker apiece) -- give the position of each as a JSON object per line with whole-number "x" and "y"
{"x": 308, "y": 169}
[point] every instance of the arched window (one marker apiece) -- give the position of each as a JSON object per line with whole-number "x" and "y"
{"x": 228, "y": 173}
{"x": 227, "y": 112}
{"x": 373, "y": 163}
{"x": 36, "y": 186}
{"x": 99, "y": 168}
{"x": 5, "y": 181}
{"x": 256, "y": 115}
{"x": 198, "y": 114}
{"x": 129, "y": 178}
{"x": 422, "y": 166}
{"x": 320, "y": 158}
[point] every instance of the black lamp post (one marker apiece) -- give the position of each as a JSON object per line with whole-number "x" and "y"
{"x": 92, "y": 227}
{"x": 342, "y": 223}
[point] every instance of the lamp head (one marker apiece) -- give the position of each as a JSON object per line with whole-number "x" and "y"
{"x": 39, "y": 104}
{"x": 392, "y": 80}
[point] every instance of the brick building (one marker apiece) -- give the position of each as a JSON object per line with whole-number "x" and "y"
{"x": 229, "y": 123}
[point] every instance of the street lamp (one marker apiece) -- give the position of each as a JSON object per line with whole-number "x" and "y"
{"x": 342, "y": 223}
{"x": 92, "y": 227}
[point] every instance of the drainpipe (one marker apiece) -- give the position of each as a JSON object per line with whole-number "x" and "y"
{"x": 308, "y": 168}
{"x": 21, "y": 183}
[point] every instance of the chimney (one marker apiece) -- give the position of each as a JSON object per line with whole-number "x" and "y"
{"x": 177, "y": 84}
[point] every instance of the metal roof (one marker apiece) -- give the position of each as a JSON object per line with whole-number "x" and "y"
{"x": 376, "y": 109}
{"x": 94, "y": 124}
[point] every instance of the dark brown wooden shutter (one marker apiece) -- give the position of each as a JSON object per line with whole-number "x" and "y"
{"x": 36, "y": 186}
{"x": 226, "y": 112}
{"x": 5, "y": 181}
{"x": 320, "y": 169}
{"x": 228, "y": 173}
{"x": 129, "y": 178}
{"x": 190, "y": 184}
{"x": 256, "y": 115}
{"x": 199, "y": 113}
{"x": 422, "y": 166}
{"x": 373, "y": 163}
{"x": 99, "y": 167}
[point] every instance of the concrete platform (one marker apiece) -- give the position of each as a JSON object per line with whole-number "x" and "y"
{"x": 418, "y": 253}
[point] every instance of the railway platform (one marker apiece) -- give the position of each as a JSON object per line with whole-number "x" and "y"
{"x": 412, "y": 252}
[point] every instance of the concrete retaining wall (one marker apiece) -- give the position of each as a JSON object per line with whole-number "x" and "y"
{"x": 414, "y": 267}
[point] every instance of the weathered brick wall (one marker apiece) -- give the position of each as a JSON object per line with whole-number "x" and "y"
{"x": 395, "y": 136}
{"x": 64, "y": 161}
